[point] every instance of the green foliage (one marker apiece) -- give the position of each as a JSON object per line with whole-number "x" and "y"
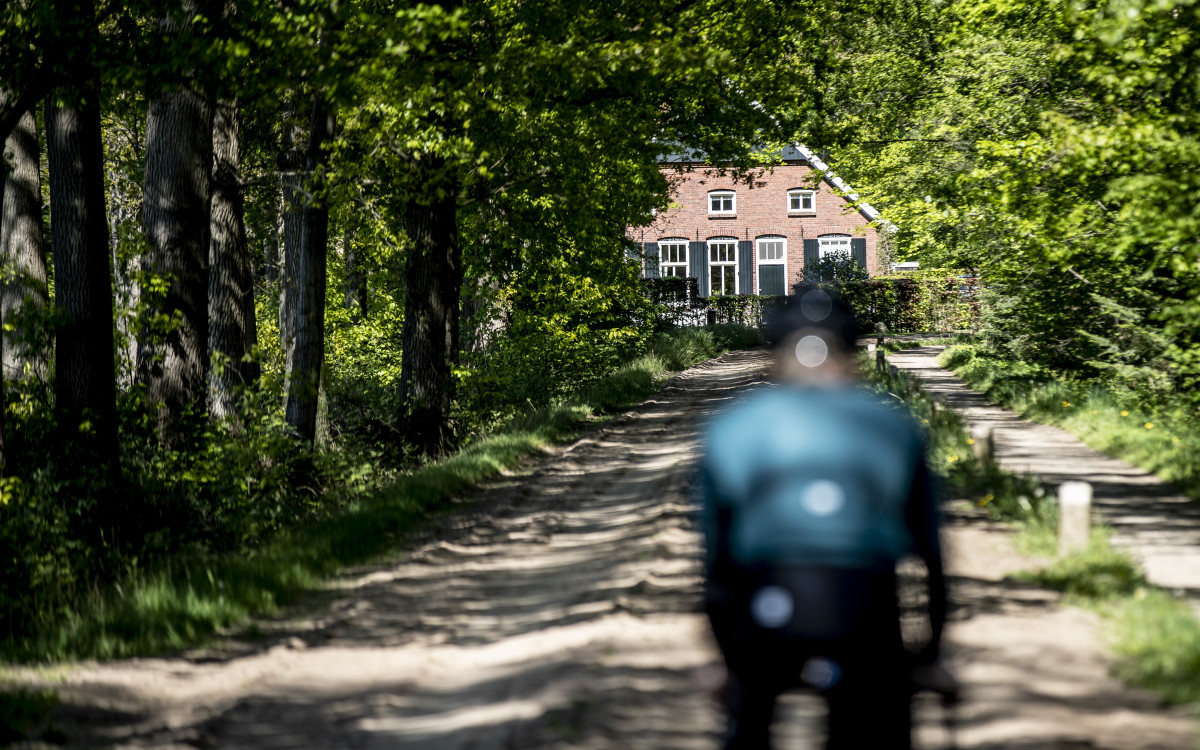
{"x": 743, "y": 309}
{"x": 837, "y": 267}
{"x": 950, "y": 453}
{"x": 24, "y": 716}
{"x": 184, "y": 598}
{"x": 1135, "y": 423}
{"x": 1157, "y": 635}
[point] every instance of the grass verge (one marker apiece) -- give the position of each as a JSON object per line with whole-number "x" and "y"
{"x": 1166, "y": 443}
{"x": 1155, "y": 635}
{"x": 188, "y": 599}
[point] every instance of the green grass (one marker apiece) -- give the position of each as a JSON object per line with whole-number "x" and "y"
{"x": 188, "y": 599}
{"x": 1166, "y": 443}
{"x": 1155, "y": 636}
{"x": 24, "y": 714}
{"x": 1004, "y": 495}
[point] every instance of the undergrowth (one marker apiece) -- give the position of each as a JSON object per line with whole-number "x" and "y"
{"x": 187, "y": 597}
{"x": 1156, "y": 635}
{"x": 1163, "y": 439}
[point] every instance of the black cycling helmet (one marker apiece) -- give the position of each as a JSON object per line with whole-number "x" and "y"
{"x": 814, "y": 308}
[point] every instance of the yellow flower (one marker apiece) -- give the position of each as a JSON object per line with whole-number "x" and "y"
{"x": 1066, "y": 403}
{"x": 1093, "y": 411}
{"x": 986, "y": 499}
{"x": 952, "y": 459}
{"x": 1174, "y": 440}
{"x": 1149, "y": 425}
{"x": 970, "y": 441}
{"x": 1124, "y": 414}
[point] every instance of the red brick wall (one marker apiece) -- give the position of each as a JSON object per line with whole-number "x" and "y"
{"x": 761, "y": 209}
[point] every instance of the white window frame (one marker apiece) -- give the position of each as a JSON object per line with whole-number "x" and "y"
{"x": 665, "y": 265}
{"x": 732, "y": 262}
{"x": 732, "y": 195}
{"x": 802, "y": 193}
{"x": 834, "y": 243}
{"x": 758, "y": 260}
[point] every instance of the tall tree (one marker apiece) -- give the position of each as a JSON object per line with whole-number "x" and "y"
{"x": 433, "y": 277}
{"x": 24, "y": 289}
{"x": 173, "y": 364}
{"x": 230, "y": 289}
{"x": 291, "y": 177}
{"x": 85, "y": 378}
{"x": 306, "y": 353}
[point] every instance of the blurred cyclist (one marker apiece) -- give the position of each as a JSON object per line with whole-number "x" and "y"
{"x": 812, "y": 492}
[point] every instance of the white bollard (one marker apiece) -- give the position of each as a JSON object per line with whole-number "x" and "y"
{"x": 1074, "y": 516}
{"x": 984, "y": 446}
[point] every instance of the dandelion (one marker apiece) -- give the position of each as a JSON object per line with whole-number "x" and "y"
{"x": 1093, "y": 411}
{"x": 1174, "y": 440}
{"x": 952, "y": 459}
{"x": 1066, "y": 403}
{"x": 970, "y": 441}
{"x": 1149, "y": 425}
{"x": 1124, "y": 413}
{"x": 983, "y": 501}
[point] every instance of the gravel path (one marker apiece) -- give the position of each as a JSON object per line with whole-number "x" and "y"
{"x": 561, "y": 611}
{"x": 1152, "y": 520}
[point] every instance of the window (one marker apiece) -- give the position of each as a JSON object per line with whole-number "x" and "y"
{"x": 722, "y": 266}
{"x": 672, "y": 258}
{"x": 722, "y": 202}
{"x": 838, "y": 243}
{"x": 772, "y": 265}
{"x": 801, "y": 200}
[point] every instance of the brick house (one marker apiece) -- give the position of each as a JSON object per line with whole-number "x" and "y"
{"x": 756, "y": 238}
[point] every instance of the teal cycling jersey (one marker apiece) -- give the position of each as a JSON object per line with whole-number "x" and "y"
{"x": 815, "y": 476}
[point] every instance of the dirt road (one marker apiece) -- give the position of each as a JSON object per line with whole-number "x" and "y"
{"x": 562, "y": 613}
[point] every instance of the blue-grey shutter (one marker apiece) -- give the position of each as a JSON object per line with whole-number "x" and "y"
{"x": 858, "y": 250}
{"x": 698, "y": 265}
{"x": 651, "y": 258}
{"x": 812, "y": 254}
{"x": 770, "y": 279}
{"x": 745, "y": 267}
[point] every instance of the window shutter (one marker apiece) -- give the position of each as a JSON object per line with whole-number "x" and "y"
{"x": 812, "y": 253}
{"x": 651, "y": 258}
{"x": 858, "y": 250}
{"x": 745, "y": 267}
{"x": 698, "y": 265}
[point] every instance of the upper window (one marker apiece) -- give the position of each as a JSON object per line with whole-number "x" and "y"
{"x": 833, "y": 244}
{"x": 672, "y": 258}
{"x": 801, "y": 200}
{"x": 722, "y": 202}
{"x": 770, "y": 249}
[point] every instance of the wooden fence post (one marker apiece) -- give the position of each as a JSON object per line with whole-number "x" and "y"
{"x": 880, "y": 360}
{"x": 1074, "y": 516}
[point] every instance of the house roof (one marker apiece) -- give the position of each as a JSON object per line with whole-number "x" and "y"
{"x": 794, "y": 152}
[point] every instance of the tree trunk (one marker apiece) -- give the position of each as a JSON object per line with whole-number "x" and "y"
{"x": 229, "y": 268}
{"x": 291, "y": 164}
{"x": 22, "y": 252}
{"x": 175, "y": 219}
{"x": 433, "y": 277}
{"x": 85, "y": 378}
{"x": 356, "y": 278}
{"x": 307, "y": 354}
